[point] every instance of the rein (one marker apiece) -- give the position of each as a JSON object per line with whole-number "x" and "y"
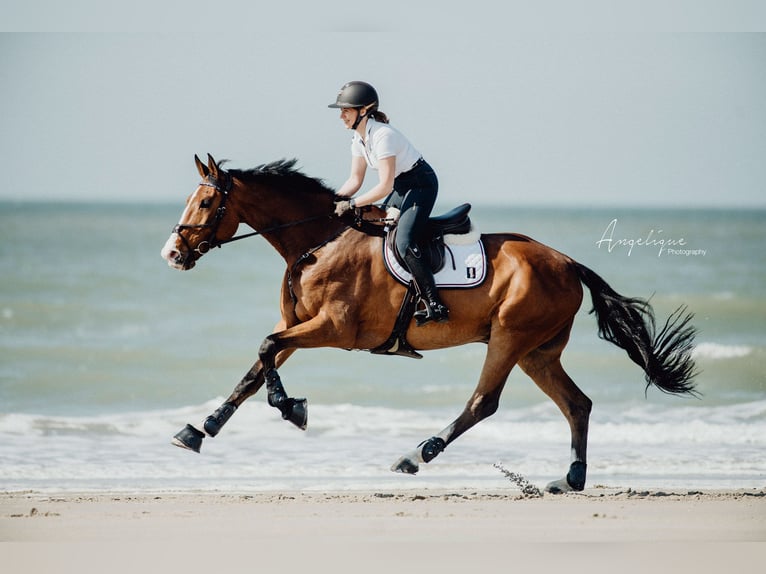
{"x": 358, "y": 223}
{"x": 212, "y": 242}
{"x": 270, "y": 229}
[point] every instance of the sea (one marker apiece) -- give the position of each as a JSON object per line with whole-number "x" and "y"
{"x": 106, "y": 352}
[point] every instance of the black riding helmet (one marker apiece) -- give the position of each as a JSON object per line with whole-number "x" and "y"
{"x": 356, "y": 95}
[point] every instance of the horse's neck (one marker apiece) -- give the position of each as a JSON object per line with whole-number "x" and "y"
{"x": 293, "y": 228}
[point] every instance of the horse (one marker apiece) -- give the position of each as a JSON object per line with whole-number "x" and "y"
{"x": 336, "y": 292}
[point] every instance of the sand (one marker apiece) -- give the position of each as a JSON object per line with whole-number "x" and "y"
{"x": 599, "y": 530}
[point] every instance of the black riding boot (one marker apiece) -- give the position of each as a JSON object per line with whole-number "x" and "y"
{"x": 434, "y": 309}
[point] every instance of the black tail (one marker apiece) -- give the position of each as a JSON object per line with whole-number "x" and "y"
{"x": 665, "y": 357}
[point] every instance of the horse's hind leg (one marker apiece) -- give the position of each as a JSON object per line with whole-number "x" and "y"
{"x": 544, "y": 367}
{"x": 501, "y": 357}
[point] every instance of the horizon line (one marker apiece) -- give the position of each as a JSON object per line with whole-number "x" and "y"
{"x": 476, "y": 203}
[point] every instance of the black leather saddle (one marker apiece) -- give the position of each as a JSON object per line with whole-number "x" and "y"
{"x": 454, "y": 222}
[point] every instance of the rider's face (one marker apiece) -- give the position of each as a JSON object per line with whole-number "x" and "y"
{"x": 348, "y": 116}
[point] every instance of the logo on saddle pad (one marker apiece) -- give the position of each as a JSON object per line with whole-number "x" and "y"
{"x": 465, "y": 264}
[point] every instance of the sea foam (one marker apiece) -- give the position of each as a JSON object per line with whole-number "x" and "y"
{"x": 719, "y": 351}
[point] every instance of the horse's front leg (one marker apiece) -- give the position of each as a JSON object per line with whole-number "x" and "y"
{"x": 264, "y": 370}
{"x": 191, "y": 438}
{"x": 274, "y": 351}
{"x": 293, "y": 410}
{"x": 320, "y": 331}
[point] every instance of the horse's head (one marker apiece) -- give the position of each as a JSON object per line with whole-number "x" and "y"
{"x": 207, "y": 221}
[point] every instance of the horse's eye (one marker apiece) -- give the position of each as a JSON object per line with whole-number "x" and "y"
{"x": 205, "y": 203}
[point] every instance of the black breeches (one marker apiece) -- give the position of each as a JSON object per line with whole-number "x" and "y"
{"x": 414, "y": 195}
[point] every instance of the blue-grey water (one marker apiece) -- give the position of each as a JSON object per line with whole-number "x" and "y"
{"x": 105, "y": 352}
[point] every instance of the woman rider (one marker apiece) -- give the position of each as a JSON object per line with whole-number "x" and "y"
{"x": 405, "y": 179}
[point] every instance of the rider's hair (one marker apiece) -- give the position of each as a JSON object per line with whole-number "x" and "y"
{"x": 379, "y": 116}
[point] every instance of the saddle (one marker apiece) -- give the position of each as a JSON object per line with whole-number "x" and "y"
{"x": 454, "y": 222}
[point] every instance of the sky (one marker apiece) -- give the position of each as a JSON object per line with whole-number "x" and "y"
{"x": 528, "y": 117}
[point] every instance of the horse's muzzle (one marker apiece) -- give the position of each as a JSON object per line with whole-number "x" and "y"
{"x": 176, "y": 258}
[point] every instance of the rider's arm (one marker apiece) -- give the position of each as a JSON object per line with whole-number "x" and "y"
{"x": 386, "y": 168}
{"x": 354, "y": 181}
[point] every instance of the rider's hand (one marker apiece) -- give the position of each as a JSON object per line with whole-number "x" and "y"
{"x": 344, "y": 206}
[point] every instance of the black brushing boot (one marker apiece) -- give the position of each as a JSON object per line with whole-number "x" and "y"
{"x": 434, "y": 309}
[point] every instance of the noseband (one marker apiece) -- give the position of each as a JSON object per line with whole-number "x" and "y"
{"x": 211, "y": 242}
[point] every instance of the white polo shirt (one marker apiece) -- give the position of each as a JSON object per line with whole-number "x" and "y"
{"x": 382, "y": 141}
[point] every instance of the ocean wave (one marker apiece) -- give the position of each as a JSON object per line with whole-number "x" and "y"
{"x": 719, "y": 351}
{"x": 348, "y": 444}
{"x": 631, "y": 422}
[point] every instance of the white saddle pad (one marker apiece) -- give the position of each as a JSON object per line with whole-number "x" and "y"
{"x": 465, "y": 265}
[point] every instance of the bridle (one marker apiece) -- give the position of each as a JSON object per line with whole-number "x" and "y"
{"x": 211, "y": 241}
{"x": 206, "y": 245}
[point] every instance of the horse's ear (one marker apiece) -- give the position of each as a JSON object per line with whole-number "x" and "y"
{"x": 201, "y": 167}
{"x": 212, "y": 166}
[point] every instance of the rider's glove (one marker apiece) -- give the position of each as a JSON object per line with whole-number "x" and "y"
{"x": 344, "y": 206}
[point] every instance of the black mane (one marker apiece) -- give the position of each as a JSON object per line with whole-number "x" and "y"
{"x": 284, "y": 174}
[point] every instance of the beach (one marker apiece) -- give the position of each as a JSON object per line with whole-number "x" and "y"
{"x": 104, "y": 358}
{"x": 599, "y": 530}
{"x": 636, "y": 155}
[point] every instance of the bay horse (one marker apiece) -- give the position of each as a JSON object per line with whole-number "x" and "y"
{"x": 337, "y": 292}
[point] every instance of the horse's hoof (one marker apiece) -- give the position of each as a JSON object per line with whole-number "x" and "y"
{"x": 297, "y": 412}
{"x": 405, "y": 465}
{"x": 189, "y": 438}
{"x": 574, "y": 481}
{"x": 558, "y": 487}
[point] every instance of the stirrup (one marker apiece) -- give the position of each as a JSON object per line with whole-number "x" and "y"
{"x": 433, "y": 310}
